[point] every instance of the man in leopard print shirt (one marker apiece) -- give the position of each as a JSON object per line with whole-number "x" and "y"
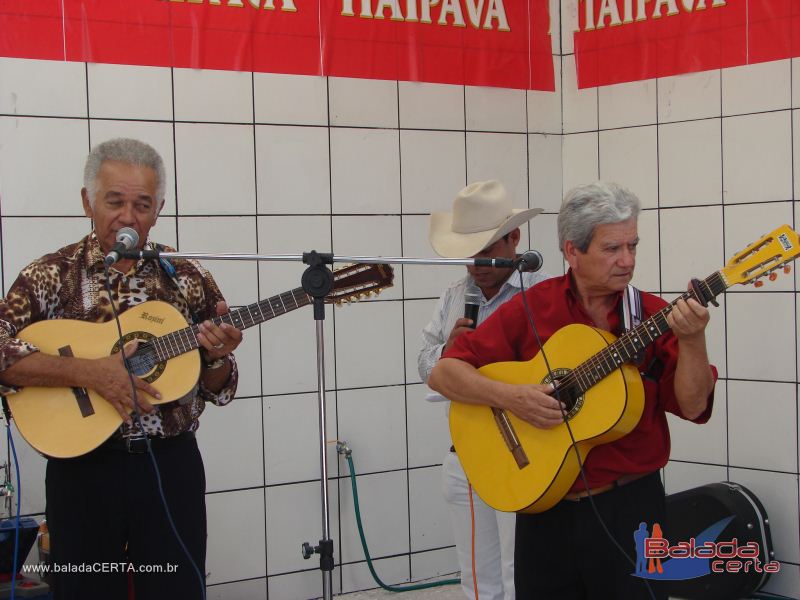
{"x": 104, "y": 508}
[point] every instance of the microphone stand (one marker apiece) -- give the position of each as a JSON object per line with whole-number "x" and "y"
{"x": 317, "y": 282}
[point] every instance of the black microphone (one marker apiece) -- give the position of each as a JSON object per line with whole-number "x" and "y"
{"x": 472, "y": 303}
{"x": 127, "y": 238}
{"x": 530, "y": 260}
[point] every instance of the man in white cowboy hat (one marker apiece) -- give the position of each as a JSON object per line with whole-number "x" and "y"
{"x": 482, "y": 224}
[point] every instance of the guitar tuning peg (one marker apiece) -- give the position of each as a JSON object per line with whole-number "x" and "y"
{"x": 773, "y": 276}
{"x": 787, "y": 269}
{"x": 758, "y": 283}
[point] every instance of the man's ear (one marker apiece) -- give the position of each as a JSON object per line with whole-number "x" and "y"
{"x": 570, "y": 252}
{"x": 87, "y": 205}
{"x": 514, "y": 237}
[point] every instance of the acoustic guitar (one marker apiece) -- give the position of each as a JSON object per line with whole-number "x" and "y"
{"x": 516, "y": 467}
{"x": 68, "y": 422}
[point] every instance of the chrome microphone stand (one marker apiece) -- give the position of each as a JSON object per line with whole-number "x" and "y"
{"x": 317, "y": 282}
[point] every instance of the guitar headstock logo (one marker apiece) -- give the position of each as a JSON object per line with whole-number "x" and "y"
{"x": 785, "y": 242}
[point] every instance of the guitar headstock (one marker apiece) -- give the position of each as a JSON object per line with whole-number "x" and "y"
{"x": 764, "y": 257}
{"x": 358, "y": 281}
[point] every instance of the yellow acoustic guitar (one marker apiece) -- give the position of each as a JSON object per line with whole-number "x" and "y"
{"x": 516, "y": 467}
{"x": 67, "y": 422}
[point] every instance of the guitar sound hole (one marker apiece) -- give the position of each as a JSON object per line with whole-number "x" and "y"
{"x": 568, "y": 394}
{"x": 144, "y": 362}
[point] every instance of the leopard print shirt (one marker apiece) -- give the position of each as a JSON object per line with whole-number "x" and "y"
{"x": 69, "y": 284}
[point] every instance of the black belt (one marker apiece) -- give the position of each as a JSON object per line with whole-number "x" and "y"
{"x": 137, "y": 444}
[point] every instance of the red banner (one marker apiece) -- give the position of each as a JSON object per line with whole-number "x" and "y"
{"x": 631, "y": 40}
{"x": 472, "y": 42}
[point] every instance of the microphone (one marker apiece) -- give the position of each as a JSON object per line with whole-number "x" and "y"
{"x": 530, "y": 261}
{"x": 127, "y": 238}
{"x": 472, "y": 303}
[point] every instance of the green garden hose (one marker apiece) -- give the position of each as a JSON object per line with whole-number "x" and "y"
{"x": 342, "y": 448}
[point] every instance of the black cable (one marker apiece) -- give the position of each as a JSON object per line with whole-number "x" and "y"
{"x": 561, "y": 405}
{"x": 138, "y": 420}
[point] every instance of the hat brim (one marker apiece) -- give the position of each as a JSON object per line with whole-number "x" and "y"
{"x": 449, "y": 244}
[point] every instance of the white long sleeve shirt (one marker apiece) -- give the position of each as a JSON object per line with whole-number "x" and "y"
{"x": 450, "y": 308}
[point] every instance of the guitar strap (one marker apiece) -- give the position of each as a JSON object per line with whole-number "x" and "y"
{"x": 632, "y": 314}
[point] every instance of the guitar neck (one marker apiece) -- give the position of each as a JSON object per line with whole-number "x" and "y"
{"x": 185, "y": 340}
{"x": 628, "y": 346}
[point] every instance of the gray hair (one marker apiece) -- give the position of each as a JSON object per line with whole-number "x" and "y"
{"x": 587, "y": 206}
{"x": 128, "y": 151}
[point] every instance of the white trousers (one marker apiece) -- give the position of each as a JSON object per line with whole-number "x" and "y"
{"x": 494, "y": 537}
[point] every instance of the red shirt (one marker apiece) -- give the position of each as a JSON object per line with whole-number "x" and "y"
{"x": 506, "y": 335}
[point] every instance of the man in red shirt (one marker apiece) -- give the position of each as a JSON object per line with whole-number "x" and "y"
{"x": 564, "y": 553}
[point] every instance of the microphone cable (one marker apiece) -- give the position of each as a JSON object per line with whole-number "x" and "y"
{"x": 154, "y": 462}
{"x": 574, "y": 446}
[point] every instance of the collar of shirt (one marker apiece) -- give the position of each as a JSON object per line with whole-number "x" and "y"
{"x": 95, "y": 257}
{"x": 571, "y": 294}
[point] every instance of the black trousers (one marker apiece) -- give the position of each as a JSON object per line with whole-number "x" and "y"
{"x": 107, "y": 523}
{"x": 564, "y": 553}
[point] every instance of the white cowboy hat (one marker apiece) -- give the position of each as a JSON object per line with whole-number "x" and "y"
{"x": 482, "y": 214}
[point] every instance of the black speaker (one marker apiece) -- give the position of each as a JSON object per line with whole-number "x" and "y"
{"x": 28, "y": 528}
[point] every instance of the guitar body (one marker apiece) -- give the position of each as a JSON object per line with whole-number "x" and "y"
{"x": 606, "y": 412}
{"x": 51, "y": 419}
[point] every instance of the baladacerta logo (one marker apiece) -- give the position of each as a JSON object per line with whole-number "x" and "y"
{"x": 657, "y": 558}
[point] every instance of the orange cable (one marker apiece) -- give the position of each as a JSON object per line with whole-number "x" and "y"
{"x": 472, "y": 517}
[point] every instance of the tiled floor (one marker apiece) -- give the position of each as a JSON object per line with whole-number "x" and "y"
{"x": 447, "y": 592}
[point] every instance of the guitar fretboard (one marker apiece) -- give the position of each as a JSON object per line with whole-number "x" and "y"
{"x": 628, "y": 346}
{"x": 184, "y": 340}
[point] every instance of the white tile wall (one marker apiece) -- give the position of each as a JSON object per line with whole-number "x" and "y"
{"x": 743, "y": 87}
{"x": 33, "y": 147}
{"x": 365, "y": 171}
{"x": 215, "y": 168}
{"x": 690, "y": 96}
{"x": 430, "y": 519}
{"x": 431, "y": 106}
{"x": 372, "y": 423}
{"x": 293, "y": 170}
{"x": 363, "y": 102}
{"x": 690, "y": 163}
{"x": 42, "y": 87}
{"x": 217, "y": 96}
{"x": 627, "y": 104}
{"x": 756, "y": 157}
{"x": 763, "y": 406}
{"x": 120, "y": 91}
{"x": 290, "y": 99}
{"x": 428, "y": 430}
{"x": 262, "y": 162}
{"x": 495, "y": 109}
{"x": 433, "y": 169}
{"x": 629, "y": 157}
{"x": 545, "y": 169}
{"x": 579, "y": 106}
{"x": 689, "y": 247}
{"x": 383, "y": 499}
{"x": 544, "y": 108}
{"x": 500, "y": 156}
{"x": 291, "y": 437}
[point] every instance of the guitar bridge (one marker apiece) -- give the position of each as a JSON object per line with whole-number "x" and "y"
{"x": 510, "y": 438}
